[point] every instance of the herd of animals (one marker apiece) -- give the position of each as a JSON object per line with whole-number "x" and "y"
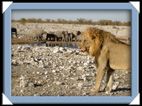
{"x": 41, "y": 35}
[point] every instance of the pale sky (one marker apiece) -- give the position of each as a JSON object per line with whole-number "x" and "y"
{"x": 94, "y": 15}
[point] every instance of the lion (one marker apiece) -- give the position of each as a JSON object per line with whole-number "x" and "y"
{"x": 110, "y": 54}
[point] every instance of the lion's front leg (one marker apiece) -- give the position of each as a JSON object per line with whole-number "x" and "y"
{"x": 100, "y": 75}
{"x": 102, "y": 63}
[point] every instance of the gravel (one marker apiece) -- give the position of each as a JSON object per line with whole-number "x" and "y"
{"x": 59, "y": 71}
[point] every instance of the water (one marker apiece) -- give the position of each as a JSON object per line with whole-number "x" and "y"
{"x": 70, "y": 45}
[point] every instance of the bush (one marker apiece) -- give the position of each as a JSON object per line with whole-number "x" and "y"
{"x": 23, "y": 21}
{"x": 78, "y": 21}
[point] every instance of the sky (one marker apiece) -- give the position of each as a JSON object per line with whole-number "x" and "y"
{"x": 94, "y": 15}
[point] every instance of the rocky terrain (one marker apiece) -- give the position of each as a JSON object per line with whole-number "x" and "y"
{"x": 59, "y": 71}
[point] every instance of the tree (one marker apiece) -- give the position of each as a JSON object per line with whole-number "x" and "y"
{"x": 39, "y": 20}
{"x": 31, "y": 20}
{"x": 81, "y": 20}
{"x": 48, "y": 20}
{"x": 23, "y": 21}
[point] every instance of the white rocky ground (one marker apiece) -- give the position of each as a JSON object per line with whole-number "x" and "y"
{"x": 59, "y": 71}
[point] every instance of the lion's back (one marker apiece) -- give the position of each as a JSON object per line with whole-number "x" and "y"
{"x": 119, "y": 56}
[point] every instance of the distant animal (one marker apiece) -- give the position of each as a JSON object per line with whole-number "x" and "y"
{"x": 14, "y": 31}
{"x": 61, "y": 35}
{"x": 37, "y": 34}
{"x": 74, "y": 34}
{"x": 66, "y": 36}
{"x": 44, "y": 37}
{"x": 110, "y": 54}
{"x": 51, "y": 36}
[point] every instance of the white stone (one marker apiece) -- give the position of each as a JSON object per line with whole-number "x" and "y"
{"x": 31, "y": 84}
{"x": 80, "y": 85}
{"x": 46, "y": 72}
{"x": 115, "y": 85}
{"x": 58, "y": 83}
{"x": 85, "y": 64}
{"x": 23, "y": 82}
{"x": 80, "y": 68}
{"x": 53, "y": 71}
{"x": 37, "y": 72}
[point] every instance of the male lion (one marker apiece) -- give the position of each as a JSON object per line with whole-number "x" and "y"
{"x": 110, "y": 54}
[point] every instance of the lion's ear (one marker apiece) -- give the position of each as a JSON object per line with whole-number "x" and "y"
{"x": 92, "y": 35}
{"x": 95, "y": 34}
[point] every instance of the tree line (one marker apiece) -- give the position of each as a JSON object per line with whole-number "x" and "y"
{"x": 78, "y": 21}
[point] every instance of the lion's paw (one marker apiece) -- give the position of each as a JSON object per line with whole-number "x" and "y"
{"x": 94, "y": 90}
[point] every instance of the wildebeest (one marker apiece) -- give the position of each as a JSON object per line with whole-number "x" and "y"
{"x": 65, "y": 36}
{"x": 51, "y": 36}
{"x": 74, "y": 34}
{"x": 13, "y": 31}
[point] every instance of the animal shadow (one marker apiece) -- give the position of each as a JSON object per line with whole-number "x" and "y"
{"x": 121, "y": 89}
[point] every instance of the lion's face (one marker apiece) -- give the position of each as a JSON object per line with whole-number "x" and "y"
{"x": 91, "y": 41}
{"x": 85, "y": 44}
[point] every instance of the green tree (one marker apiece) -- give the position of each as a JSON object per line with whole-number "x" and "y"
{"x": 23, "y": 21}
{"x": 89, "y": 22}
{"x": 33, "y": 20}
{"x": 39, "y": 20}
{"x": 80, "y": 20}
{"x": 48, "y": 20}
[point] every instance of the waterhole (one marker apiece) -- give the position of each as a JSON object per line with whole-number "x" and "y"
{"x": 70, "y": 45}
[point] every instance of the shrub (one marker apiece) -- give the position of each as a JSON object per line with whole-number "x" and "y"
{"x": 23, "y": 21}
{"x": 78, "y": 21}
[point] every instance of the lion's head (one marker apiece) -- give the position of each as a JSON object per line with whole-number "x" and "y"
{"x": 84, "y": 44}
{"x": 93, "y": 39}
